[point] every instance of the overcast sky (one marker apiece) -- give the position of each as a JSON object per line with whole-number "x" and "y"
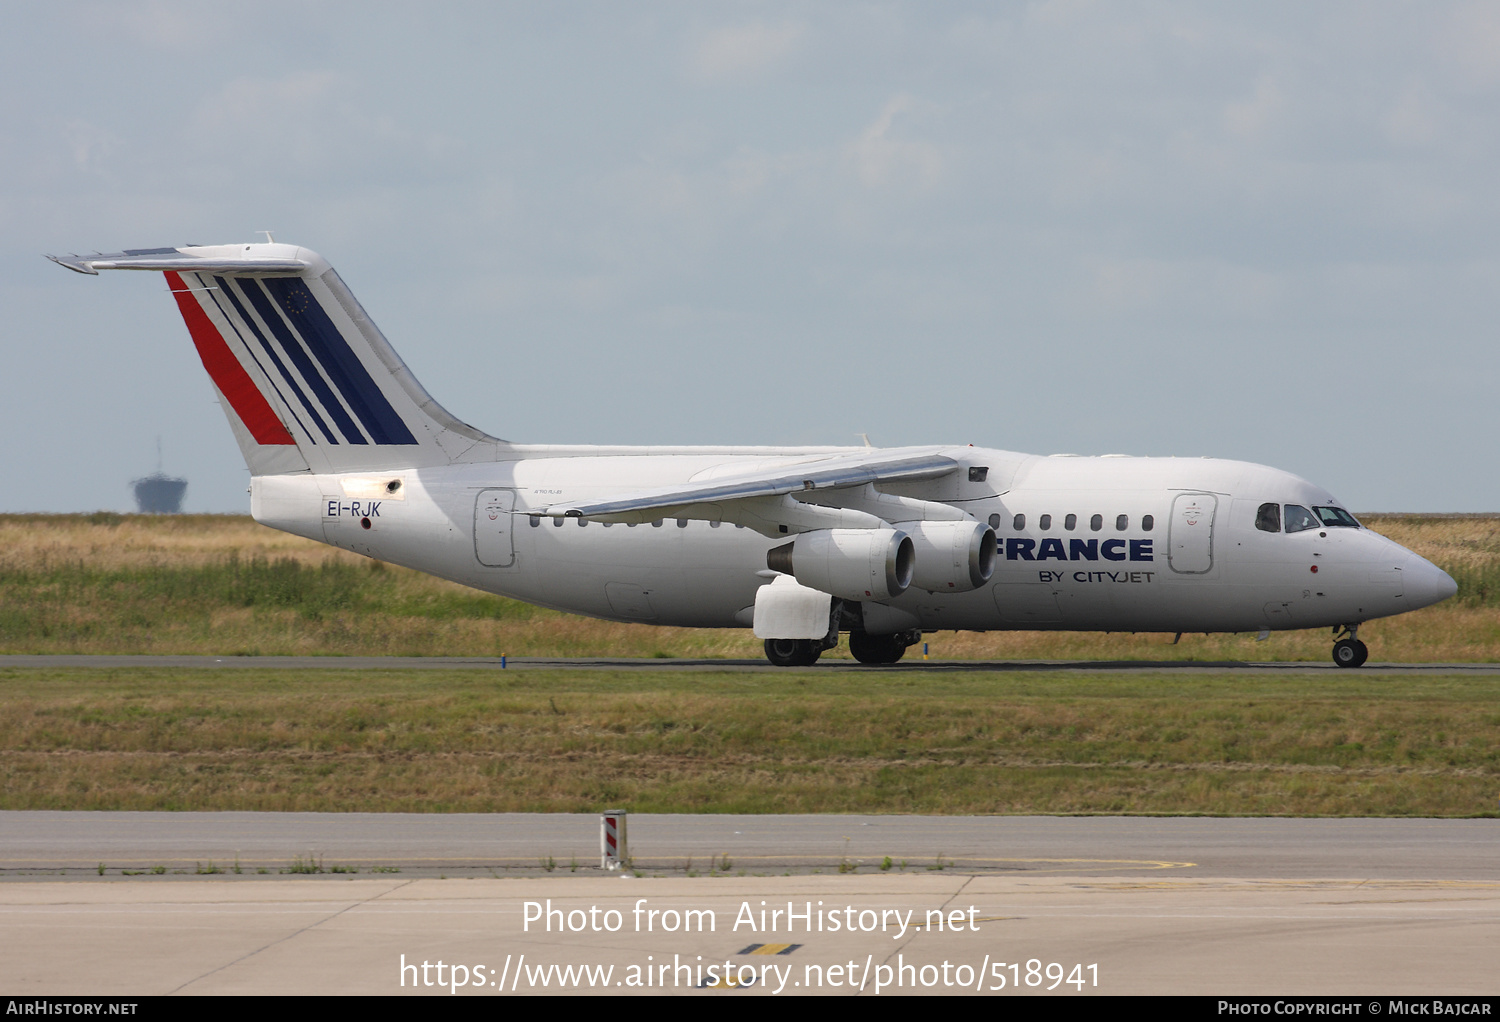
{"x": 1259, "y": 231}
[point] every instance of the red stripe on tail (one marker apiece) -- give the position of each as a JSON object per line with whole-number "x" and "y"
{"x": 226, "y": 372}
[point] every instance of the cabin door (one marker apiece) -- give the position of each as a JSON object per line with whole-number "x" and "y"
{"x": 1190, "y": 536}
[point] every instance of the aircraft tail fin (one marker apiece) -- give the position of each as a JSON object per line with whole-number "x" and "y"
{"x": 307, "y": 380}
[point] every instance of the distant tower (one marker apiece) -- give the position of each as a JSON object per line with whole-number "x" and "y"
{"x": 159, "y": 494}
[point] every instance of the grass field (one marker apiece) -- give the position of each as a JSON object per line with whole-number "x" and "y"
{"x": 709, "y": 741}
{"x": 866, "y": 742}
{"x": 108, "y": 583}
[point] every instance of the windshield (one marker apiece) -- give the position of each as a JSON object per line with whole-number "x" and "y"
{"x": 1299, "y": 518}
{"x": 1336, "y": 518}
{"x": 1268, "y": 518}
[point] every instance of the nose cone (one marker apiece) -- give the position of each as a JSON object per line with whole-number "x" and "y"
{"x": 1424, "y": 583}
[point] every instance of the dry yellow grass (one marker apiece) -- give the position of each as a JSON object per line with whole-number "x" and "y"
{"x": 109, "y": 542}
{"x": 1454, "y": 543}
{"x": 99, "y": 584}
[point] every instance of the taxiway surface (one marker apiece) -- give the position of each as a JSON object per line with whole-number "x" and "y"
{"x": 912, "y": 663}
{"x": 40, "y": 843}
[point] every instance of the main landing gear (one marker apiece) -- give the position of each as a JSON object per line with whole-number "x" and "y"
{"x": 1349, "y": 652}
{"x": 794, "y": 652}
{"x": 866, "y": 648}
{"x": 876, "y": 649}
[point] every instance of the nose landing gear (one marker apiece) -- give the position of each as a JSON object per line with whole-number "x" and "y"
{"x": 1349, "y": 652}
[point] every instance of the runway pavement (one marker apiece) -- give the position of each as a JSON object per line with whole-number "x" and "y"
{"x": 1223, "y": 907}
{"x": 39, "y": 844}
{"x": 654, "y": 664}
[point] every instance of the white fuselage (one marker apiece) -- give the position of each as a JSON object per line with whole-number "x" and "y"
{"x": 1128, "y": 544}
{"x": 346, "y": 447}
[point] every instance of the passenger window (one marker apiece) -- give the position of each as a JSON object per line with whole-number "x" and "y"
{"x": 656, "y": 524}
{"x": 1268, "y": 518}
{"x": 1147, "y": 523}
{"x": 557, "y": 522}
{"x": 682, "y": 523}
{"x": 714, "y": 525}
{"x": 536, "y": 520}
{"x": 1336, "y": 517}
{"x": 995, "y": 522}
{"x": 1070, "y": 523}
{"x": 1122, "y": 522}
{"x": 1299, "y": 519}
{"x": 582, "y": 522}
{"x": 1096, "y": 523}
{"x": 1044, "y": 523}
{"x": 1019, "y": 523}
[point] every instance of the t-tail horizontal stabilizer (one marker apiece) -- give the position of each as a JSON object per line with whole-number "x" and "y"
{"x": 308, "y": 382}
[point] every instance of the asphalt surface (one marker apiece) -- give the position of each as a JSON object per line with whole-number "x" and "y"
{"x": 651, "y": 664}
{"x": 37, "y": 844}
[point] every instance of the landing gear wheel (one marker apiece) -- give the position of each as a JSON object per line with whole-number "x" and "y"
{"x": 792, "y": 652}
{"x": 1350, "y": 653}
{"x": 876, "y": 649}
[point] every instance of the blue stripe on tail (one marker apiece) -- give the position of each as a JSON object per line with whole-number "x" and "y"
{"x": 258, "y": 297}
{"x": 343, "y": 366}
{"x": 270, "y": 350}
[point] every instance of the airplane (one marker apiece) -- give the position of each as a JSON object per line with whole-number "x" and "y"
{"x": 800, "y": 544}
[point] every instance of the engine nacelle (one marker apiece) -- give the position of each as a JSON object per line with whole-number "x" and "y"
{"x": 952, "y": 557}
{"x": 852, "y": 564}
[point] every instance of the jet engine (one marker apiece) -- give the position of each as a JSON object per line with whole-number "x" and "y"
{"x": 952, "y": 557}
{"x": 852, "y": 564}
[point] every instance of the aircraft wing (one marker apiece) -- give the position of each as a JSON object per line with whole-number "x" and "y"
{"x": 834, "y": 472}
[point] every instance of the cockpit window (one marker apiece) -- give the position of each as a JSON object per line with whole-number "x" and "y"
{"x": 1336, "y": 517}
{"x": 1268, "y": 518}
{"x": 1299, "y": 519}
